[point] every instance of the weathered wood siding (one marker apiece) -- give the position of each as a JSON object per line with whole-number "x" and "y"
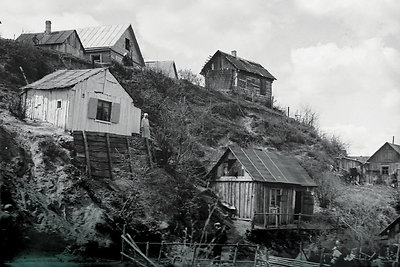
{"x": 105, "y": 87}
{"x": 105, "y": 155}
{"x": 71, "y": 46}
{"x": 42, "y": 105}
{"x": 255, "y": 87}
{"x": 119, "y": 48}
{"x": 384, "y": 158}
{"x": 238, "y": 192}
{"x": 73, "y": 114}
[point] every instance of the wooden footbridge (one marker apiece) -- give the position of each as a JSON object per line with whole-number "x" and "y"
{"x": 199, "y": 255}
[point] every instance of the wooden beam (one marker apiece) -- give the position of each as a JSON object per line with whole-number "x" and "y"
{"x": 85, "y": 143}
{"x": 109, "y": 155}
{"x": 129, "y": 156}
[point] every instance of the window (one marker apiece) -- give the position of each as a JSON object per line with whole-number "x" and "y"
{"x": 127, "y": 44}
{"x": 58, "y": 103}
{"x": 103, "y": 110}
{"x": 95, "y": 58}
{"x": 275, "y": 197}
{"x": 385, "y": 170}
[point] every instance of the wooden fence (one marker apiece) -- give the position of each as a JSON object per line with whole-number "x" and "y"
{"x": 103, "y": 154}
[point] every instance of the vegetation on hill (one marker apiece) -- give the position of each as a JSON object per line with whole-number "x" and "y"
{"x": 190, "y": 127}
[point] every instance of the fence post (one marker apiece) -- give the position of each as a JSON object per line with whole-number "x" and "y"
{"x": 321, "y": 257}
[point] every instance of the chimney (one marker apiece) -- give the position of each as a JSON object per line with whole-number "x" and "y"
{"x": 48, "y": 27}
{"x": 393, "y": 140}
{"x": 234, "y": 53}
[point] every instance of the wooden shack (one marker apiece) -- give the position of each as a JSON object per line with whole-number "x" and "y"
{"x": 104, "y": 44}
{"x": 384, "y": 165}
{"x": 392, "y": 232}
{"x": 263, "y": 186}
{"x": 62, "y": 41}
{"x": 228, "y": 72}
{"x": 85, "y": 100}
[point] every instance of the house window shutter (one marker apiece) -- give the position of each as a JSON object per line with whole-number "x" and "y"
{"x": 92, "y": 109}
{"x": 115, "y": 112}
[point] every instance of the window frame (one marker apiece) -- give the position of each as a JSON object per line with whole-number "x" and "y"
{"x": 127, "y": 44}
{"x": 101, "y": 114}
{"x": 96, "y": 55}
{"x": 59, "y": 104}
{"x": 386, "y": 168}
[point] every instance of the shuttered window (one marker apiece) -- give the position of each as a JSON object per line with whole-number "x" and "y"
{"x": 104, "y": 110}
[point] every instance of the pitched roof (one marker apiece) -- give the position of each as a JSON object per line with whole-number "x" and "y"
{"x": 101, "y": 36}
{"x": 56, "y": 37}
{"x": 243, "y": 65}
{"x": 395, "y": 147}
{"x": 168, "y": 68}
{"x": 271, "y": 167}
{"x": 391, "y": 225}
{"x": 63, "y": 79}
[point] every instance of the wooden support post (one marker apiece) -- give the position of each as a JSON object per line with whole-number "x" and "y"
{"x": 161, "y": 248}
{"x": 109, "y": 155}
{"x": 255, "y": 256}
{"x": 122, "y": 245}
{"x": 321, "y": 257}
{"x": 147, "y": 248}
{"x": 235, "y": 254}
{"x": 87, "y": 157}
{"x": 194, "y": 253}
{"x": 129, "y": 156}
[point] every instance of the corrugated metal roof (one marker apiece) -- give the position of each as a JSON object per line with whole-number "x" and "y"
{"x": 168, "y": 68}
{"x": 243, "y": 65}
{"x": 101, "y": 36}
{"x": 272, "y": 167}
{"x": 57, "y": 37}
{"x": 62, "y": 79}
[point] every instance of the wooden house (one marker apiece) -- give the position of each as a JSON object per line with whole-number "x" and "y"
{"x": 228, "y": 72}
{"x": 85, "y": 100}
{"x": 63, "y": 41}
{"x": 168, "y": 68}
{"x": 384, "y": 165}
{"x": 392, "y": 232}
{"x": 263, "y": 186}
{"x": 104, "y": 44}
{"x": 352, "y": 165}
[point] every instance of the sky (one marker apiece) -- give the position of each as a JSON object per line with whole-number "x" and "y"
{"x": 340, "y": 58}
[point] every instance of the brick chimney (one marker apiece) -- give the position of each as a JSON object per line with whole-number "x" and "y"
{"x": 234, "y": 53}
{"x": 48, "y": 27}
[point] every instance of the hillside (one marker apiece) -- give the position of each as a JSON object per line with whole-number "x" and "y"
{"x": 56, "y": 208}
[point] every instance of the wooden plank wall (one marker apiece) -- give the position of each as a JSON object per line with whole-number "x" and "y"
{"x": 103, "y": 154}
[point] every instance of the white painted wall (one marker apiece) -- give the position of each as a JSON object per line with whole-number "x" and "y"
{"x": 73, "y": 114}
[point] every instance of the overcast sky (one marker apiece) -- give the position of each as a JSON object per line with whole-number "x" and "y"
{"x": 341, "y": 58}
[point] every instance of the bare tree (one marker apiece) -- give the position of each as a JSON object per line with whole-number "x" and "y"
{"x": 307, "y": 116}
{"x": 188, "y": 75}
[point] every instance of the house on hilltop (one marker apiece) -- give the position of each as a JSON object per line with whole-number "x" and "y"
{"x": 228, "y": 72}
{"x": 85, "y": 100}
{"x": 263, "y": 186}
{"x": 384, "y": 165}
{"x": 63, "y": 41}
{"x": 168, "y": 68}
{"x": 106, "y": 43}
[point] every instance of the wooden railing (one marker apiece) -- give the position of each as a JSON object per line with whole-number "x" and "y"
{"x": 292, "y": 220}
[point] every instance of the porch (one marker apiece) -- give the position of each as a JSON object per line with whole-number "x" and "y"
{"x": 291, "y": 221}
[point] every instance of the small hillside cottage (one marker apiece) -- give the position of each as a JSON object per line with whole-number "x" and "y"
{"x": 353, "y": 165}
{"x": 85, "y": 100}
{"x": 384, "y": 165}
{"x": 228, "y": 72}
{"x": 263, "y": 186}
{"x": 168, "y": 68}
{"x": 106, "y": 43}
{"x": 63, "y": 41}
{"x": 392, "y": 232}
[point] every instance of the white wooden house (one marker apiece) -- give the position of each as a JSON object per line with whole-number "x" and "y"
{"x": 90, "y": 100}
